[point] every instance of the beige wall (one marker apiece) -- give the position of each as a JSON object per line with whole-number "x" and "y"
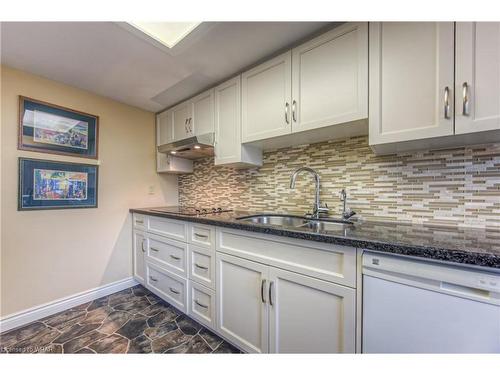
{"x": 47, "y": 255}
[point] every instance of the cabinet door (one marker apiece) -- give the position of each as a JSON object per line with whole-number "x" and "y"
{"x": 411, "y": 81}
{"x": 140, "y": 244}
{"x": 477, "y": 77}
{"x": 330, "y": 78}
{"x": 266, "y": 99}
{"x": 181, "y": 120}
{"x": 242, "y": 311}
{"x": 228, "y": 122}
{"x": 164, "y": 131}
{"x": 203, "y": 113}
{"x": 309, "y": 315}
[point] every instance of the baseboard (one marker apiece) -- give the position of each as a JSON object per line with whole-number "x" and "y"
{"x": 41, "y": 311}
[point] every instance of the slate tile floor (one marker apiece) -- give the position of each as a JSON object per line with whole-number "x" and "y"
{"x": 131, "y": 321}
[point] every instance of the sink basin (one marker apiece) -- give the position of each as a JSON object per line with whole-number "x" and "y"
{"x": 275, "y": 220}
{"x": 297, "y": 222}
{"x": 322, "y": 225}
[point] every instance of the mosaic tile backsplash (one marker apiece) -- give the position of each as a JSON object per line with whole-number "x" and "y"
{"x": 450, "y": 187}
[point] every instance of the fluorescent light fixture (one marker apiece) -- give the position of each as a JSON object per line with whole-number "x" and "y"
{"x": 166, "y": 33}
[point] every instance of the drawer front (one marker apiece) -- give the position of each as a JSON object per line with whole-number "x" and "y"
{"x": 324, "y": 261}
{"x": 201, "y": 266}
{"x": 202, "y": 235}
{"x": 201, "y": 306}
{"x": 139, "y": 221}
{"x": 170, "y": 254}
{"x": 174, "y": 229}
{"x": 167, "y": 285}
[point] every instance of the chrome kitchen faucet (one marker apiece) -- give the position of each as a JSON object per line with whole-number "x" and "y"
{"x": 317, "y": 209}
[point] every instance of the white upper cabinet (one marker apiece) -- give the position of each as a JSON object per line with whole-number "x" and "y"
{"x": 164, "y": 131}
{"x": 228, "y": 147}
{"x": 330, "y": 78}
{"x": 182, "y": 115}
{"x": 411, "y": 81}
{"x": 203, "y": 113}
{"x": 477, "y": 91}
{"x": 266, "y": 99}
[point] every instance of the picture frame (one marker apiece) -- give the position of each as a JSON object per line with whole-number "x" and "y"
{"x": 47, "y": 184}
{"x": 53, "y": 129}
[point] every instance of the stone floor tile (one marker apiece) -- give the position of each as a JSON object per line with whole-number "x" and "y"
{"x": 75, "y": 331}
{"x": 141, "y": 344}
{"x": 155, "y": 332}
{"x": 114, "y": 321}
{"x": 169, "y": 341}
{"x": 133, "y": 328}
{"x": 111, "y": 344}
{"x": 166, "y": 315}
{"x": 195, "y": 345}
{"x": 226, "y": 348}
{"x": 211, "y": 338}
{"x": 9, "y": 338}
{"x": 103, "y": 301}
{"x": 187, "y": 325}
{"x": 65, "y": 319}
{"x": 78, "y": 343}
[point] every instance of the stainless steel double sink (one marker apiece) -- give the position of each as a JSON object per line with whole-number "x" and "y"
{"x": 291, "y": 221}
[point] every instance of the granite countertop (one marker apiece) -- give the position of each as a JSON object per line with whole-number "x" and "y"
{"x": 470, "y": 246}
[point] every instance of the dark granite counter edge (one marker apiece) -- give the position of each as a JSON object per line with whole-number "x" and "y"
{"x": 427, "y": 252}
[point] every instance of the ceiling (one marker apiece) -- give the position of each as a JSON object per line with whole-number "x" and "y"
{"x": 111, "y": 59}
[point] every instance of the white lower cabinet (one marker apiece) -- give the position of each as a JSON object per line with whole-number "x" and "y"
{"x": 309, "y": 315}
{"x": 242, "y": 310}
{"x": 201, "y": 306}
{"x": 139, "y": 251}
{"x": 265, "y": 309}
{"x": 171, "y": 287}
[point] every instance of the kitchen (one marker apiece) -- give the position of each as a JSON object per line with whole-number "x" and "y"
{"x": 334, "y": 189}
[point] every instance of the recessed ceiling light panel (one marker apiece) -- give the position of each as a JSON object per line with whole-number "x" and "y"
{"x": 166, "y": 33}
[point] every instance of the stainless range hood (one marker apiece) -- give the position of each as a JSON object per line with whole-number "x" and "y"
{"x": 196, "y": 147}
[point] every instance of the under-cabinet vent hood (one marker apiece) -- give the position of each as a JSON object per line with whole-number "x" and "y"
{"x": 196, "y": 147}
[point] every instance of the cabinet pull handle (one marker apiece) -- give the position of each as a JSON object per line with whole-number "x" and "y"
{"x": 142, "y": 246}
{"x": 139, "y": 221}
{"x": 152, "y": 278}
{"x": 200, "y": 235}
{"x": 294, "y": 105}
{"x": 154, "y": 249}
{"x": 200, "y": 266}
{"x": 262, "y": 287}
{"x": 174, "y": 257}
{"x": 174, "y": 291}
{"x": 465, "y": 99}
{"x": 287, "y": 107}
{"x": 446, "y": 102}
{"x": 200, "y": 304}
{"x": 271, "y": 284}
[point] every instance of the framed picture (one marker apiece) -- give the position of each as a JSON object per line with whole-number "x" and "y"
{"x": 49, "y": 128}
{"x": 45, "y": 184}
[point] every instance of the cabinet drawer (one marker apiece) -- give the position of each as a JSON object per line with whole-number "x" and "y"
{"x": 201, "y": 235}
{"x": 201, "y": 266}
{"x": 174, "y": 229}
{"x": 139, "y": 221}
{"x": 201, "y": 306}
{"x": 167, "y": 285}
{"x": 320, "y": 260}
{"x": 170, "y": 254}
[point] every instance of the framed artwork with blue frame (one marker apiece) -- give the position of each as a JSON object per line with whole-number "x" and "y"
{"x": 49, "y": 128}
{"x": 45, "y": 185}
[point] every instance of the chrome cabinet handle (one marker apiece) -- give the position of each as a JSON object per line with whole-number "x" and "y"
{"x": 154, "y": 249}
{"x": 174, "y": 291}
{"x": 200, "y": 235}
{"x": 465, "y": 99}
{"x": 152, "y": 278}
{"x": 262, "y": 287}
{"x": 294, "y": 105}
{"x": 271, "y": 284}
{"x": 446, "y": 102}
{"x": 142, "y": 246}
{"x": 200, "y": 266}
{"x": 287, "y": 107}
{"x": 200, "y": 304}
{"x": 174, "y": 257}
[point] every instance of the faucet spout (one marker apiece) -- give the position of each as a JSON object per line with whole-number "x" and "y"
{"x": 316, "y": 209}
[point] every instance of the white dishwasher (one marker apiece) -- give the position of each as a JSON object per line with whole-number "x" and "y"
{"x": 412, "y": 306}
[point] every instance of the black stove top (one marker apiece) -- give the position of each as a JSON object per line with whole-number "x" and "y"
{"x": 190, "y": 211}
